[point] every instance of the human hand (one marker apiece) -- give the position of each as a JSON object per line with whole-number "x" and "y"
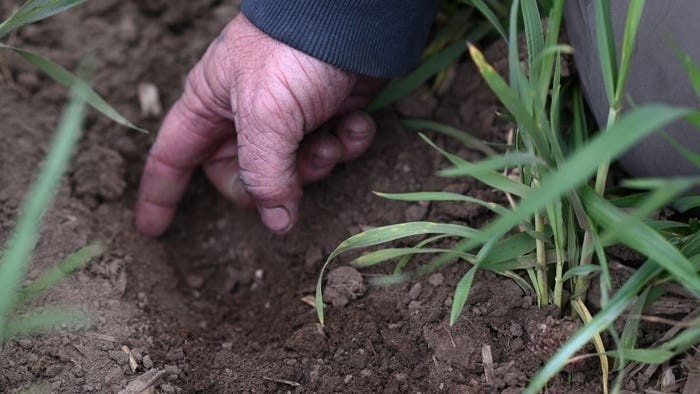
{"x": 246, "y": 116}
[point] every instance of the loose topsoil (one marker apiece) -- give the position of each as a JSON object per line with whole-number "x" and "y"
{"x": 216, "y": 305}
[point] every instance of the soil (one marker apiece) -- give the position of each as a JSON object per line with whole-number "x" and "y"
{"x": 216, "y": 305}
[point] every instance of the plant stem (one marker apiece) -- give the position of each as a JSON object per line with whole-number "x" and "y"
{"x": 541, "y": 262}
{"x": 582, "y": 282}
{"x": 558, "y": 282}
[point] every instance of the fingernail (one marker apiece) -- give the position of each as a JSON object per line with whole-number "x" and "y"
{"x": 277, "y": 218}
{"x": 358, "y": 134}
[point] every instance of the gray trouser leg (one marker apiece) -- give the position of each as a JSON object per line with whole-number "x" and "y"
{"x": 656, "y": 75}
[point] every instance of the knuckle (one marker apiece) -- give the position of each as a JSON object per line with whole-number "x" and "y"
{"x": 265, "y": 188}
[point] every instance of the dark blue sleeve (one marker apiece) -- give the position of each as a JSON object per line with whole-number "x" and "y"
{"x": 379, "y": 38}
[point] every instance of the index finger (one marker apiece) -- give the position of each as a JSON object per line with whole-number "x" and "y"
{"x": 193, "y": 128}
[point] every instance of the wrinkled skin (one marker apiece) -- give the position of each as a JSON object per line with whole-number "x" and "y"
{"x": 246, "y": 116}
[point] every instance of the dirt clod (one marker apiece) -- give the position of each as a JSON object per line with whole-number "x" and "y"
{"x": 147, "y": 362}
{"x": 308, "y": 339}
{"x": 343, "y": 284}
{"x": 436, "y": 279}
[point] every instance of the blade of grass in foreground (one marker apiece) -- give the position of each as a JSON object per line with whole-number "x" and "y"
{"x": 48, "y": 279}
{"x": 64, "y": 77}
{"x": 36, "y": 322}
{"x": 33, "y": 11}
{"x": 19, "y": 247}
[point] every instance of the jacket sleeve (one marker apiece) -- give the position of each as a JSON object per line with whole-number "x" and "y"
{"x": 379, "y": 38}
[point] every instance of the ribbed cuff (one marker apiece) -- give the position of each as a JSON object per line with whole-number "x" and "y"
{"x": 379, "y": 38}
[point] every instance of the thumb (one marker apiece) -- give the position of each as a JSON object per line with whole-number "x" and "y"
{"x": 267, "y": 157}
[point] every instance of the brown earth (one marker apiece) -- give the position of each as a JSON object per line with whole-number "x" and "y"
{"x": 216, "y": 304}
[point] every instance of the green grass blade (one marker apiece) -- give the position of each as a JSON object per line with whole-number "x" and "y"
{"x": 693, "y": 72}
{"x": 393, "y": 232}
{"x": 489, "y": 15}
{"x": 404, "y": 86}
{"x": 461, "y": 136}
{"x": 66, "y": 267}
{"x": 384, "y": 234}
{"x": 581, "y": 270}
{"x": 33, "y": 11}
{"x": 545, "y": 64}
{"x": 510, "y": 99}
{"x": 603, "y": 319}
{"x": 534, "y": 36}
{"x": 637, "y": 124}
{"x": 506, "y": 254}
{"x": 509, "y": 249}
{"x": 493, "y": 163}
{"x": 643, "y": 239}
{"x": 37, "y": 322}
{"x": 380, "y": 256}
{"x": 444, "y": 196}
{"x": 494, "y": 179}
{"x": 605, "y": 40}
{"x": 403, "y": 262}
{"x": 686, "y": 203}
{"x": 634, "y": 15}
{"x": 64, "y": 77}
{"x": 19, "y": 247}
{"x": 628, "y": 339}
{"x": 686, "y": 152}
{"x": 454, "y": 159}
{"x": 461, "y": 294}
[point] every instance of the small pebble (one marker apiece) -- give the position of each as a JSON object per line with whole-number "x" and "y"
{"x": 227, "y": 345}
{"x": 511, "y": 379}
{"x": 516, "y": 329}
{"x": 366, "y": 372}
{"x": 517, "y": 344}
{"x": 147, "y": 362}
{"x": 52, "y": 370}
{"x": 172, "y": 369}
{"x": 25, "y": 343}
{"x": 176, "y": 354}
{"x": 348, "y": 379}
{"x": 415, "y": 291}
{"x": 414, "y": 306}
{"x": 194, "y": 281}
{"x": 436, "y": 279}
{"x": 119, "y": 356}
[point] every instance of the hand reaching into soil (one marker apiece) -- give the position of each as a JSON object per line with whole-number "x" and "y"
{"x": 246, "y": 116}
